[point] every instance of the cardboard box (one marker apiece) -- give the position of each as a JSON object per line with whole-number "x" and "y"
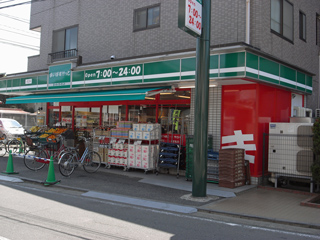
{"x": 138, "y": 149}
{"x": 138, "y": 135}
{"x": 138, "y": 163}
{"x": 136, "y": 127}
{"x": 143, "y": 127}
{"x": 132, "y": 134}
{"x": 138, "y": 156}
{"x": 145, "y": 148}
{"x": 131, "y": 162}
{"x": 131, "y": 148}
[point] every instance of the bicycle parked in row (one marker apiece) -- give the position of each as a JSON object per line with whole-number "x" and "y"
{"x": 90, "y": 160}
{"x": 40, "y": 150}
{"x": 15, "y": 145}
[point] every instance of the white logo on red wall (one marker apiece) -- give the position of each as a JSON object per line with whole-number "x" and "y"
{"x": 238, "y": 140}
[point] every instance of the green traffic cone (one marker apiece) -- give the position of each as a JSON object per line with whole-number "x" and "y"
{"x": 10, "y": 165}
{"x": 51, "y": 179}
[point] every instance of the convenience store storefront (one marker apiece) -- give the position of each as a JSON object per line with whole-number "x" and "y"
{"x": 248, "y": 90}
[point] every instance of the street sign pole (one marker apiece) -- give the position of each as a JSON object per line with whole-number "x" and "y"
{"x": 199, "y": 180}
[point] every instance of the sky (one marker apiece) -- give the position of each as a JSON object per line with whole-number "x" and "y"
{"x": 17, "y": 42}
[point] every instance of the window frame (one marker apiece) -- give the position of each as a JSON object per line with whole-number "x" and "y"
{"x": 135, "y": 11}
{"x": 64, "y": 33}
{"x": 302, "y": 26}
{"x": 318, "y": 29}
{"x": 281, "y": 32}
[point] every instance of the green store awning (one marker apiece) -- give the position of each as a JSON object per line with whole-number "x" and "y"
{"x": 112, "y": 95}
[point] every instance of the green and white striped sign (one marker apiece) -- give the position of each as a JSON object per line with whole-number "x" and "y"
{"x": 240, "y": 65}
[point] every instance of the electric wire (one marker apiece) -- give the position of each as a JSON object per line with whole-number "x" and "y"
{"x": 18, "y": 4}
{"x": 17, "y": 44}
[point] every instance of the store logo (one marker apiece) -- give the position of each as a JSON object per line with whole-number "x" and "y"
{"x": 238, "y": 139}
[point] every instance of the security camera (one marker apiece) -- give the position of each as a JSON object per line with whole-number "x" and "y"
{"x": 113, "y": 57}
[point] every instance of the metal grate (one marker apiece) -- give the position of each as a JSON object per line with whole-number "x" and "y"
{"x": 214, "y": 115}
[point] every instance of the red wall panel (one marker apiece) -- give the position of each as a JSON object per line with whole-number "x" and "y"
{"x": 246, "y": 113}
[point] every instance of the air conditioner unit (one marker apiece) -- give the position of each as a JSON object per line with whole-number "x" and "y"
{"x": 317, "y": 113}
{"x": 299, "y": 111}
{"x": 290, "y": 149}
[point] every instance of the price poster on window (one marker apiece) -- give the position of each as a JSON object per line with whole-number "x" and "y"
{"x": 190, "y": 16}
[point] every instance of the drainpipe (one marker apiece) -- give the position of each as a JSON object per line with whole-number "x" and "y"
{"x": 248, "y": 21}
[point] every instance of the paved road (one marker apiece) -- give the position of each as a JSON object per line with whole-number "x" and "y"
{"x": 32, "y": 211}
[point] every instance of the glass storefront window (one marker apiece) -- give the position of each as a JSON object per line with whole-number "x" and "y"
{"x": 112, "y": 114}
{"x": 142, "y": 113}
{"x": 86, "y": 118}
{"x": 66, "y": 116}
{"x": 53, "y": 117}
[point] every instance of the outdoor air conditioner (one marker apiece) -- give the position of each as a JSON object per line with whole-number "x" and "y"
{"x": 302, "y": 112}
{"x": 290, "y": 149}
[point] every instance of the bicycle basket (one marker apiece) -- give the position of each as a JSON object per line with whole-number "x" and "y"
{"x": 88, "y": 144}
{"x": 29, "y": 141}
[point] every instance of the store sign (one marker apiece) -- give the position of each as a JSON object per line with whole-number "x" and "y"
{"x": 103, "y": 73}
{"x": 59, "y": 76}
{"x": 190, "y": 16}
{"x": 127, "y": 71}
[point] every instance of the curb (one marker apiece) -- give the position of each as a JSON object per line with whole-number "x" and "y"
{"x": 273, "y": 220}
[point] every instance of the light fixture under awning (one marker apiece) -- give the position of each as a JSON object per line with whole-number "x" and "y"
{"x": 111, "y": 95}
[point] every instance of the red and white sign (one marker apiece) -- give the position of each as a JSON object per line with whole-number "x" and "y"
{"x": 193, "y": 15}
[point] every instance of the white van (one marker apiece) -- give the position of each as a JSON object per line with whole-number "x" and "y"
{"x": 11, "y": 128}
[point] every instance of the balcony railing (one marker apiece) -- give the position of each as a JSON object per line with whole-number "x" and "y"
{"x": 71, "y": 53}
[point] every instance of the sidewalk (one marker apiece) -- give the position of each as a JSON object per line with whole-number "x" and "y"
{"x": 166, "y": 191}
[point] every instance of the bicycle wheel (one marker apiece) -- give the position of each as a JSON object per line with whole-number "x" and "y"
{"x": 3, "y": 149}
{"x": 92, "y": 162}
{"x": 15, "y": 146}
{"x": 30, "y": 159}
{"x": 66, "y": 164}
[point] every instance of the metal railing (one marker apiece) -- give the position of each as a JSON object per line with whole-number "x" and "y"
{"x": 71, "y": 53}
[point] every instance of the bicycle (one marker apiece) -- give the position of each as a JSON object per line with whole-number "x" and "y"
{"x": 3, "y": 145}
{"x": 32, "y": 159}
{"x": 15, "y": 145}
{"x": 69, "y": 161}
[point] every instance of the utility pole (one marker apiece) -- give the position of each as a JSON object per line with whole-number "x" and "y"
{"x": 199, "y": 180}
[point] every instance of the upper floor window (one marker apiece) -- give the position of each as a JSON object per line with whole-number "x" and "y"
{"x": 65, "y": 42}
{"x": 302, "y": 26}
{"x": 282, "y": 18}
{"x": 147, "y": 17}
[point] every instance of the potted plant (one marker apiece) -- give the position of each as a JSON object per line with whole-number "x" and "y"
{"x": 315, "y": 167}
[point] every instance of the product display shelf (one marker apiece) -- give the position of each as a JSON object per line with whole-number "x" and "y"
{"x": 143, "y": 147}
{"x": 169, "y": 156}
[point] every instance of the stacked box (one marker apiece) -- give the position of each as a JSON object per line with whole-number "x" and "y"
{"x": 145, "y": 131}
{"x": 102, "y": 153}
{"x": 231, "y": 168}
{"x": 117, "y": 155}
{"x": 119, "y": 133}
{"x": 124, "y": 124}
{"x": 131, "y": 155}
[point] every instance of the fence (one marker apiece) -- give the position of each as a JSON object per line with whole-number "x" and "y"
{"x": 287, "y": 157}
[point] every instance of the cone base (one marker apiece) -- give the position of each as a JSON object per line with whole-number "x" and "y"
{"x": 10, "y": 173}
{"x": 46, "y": 183}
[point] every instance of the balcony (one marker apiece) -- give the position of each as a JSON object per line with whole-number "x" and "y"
{"x": 63, "y": 55}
